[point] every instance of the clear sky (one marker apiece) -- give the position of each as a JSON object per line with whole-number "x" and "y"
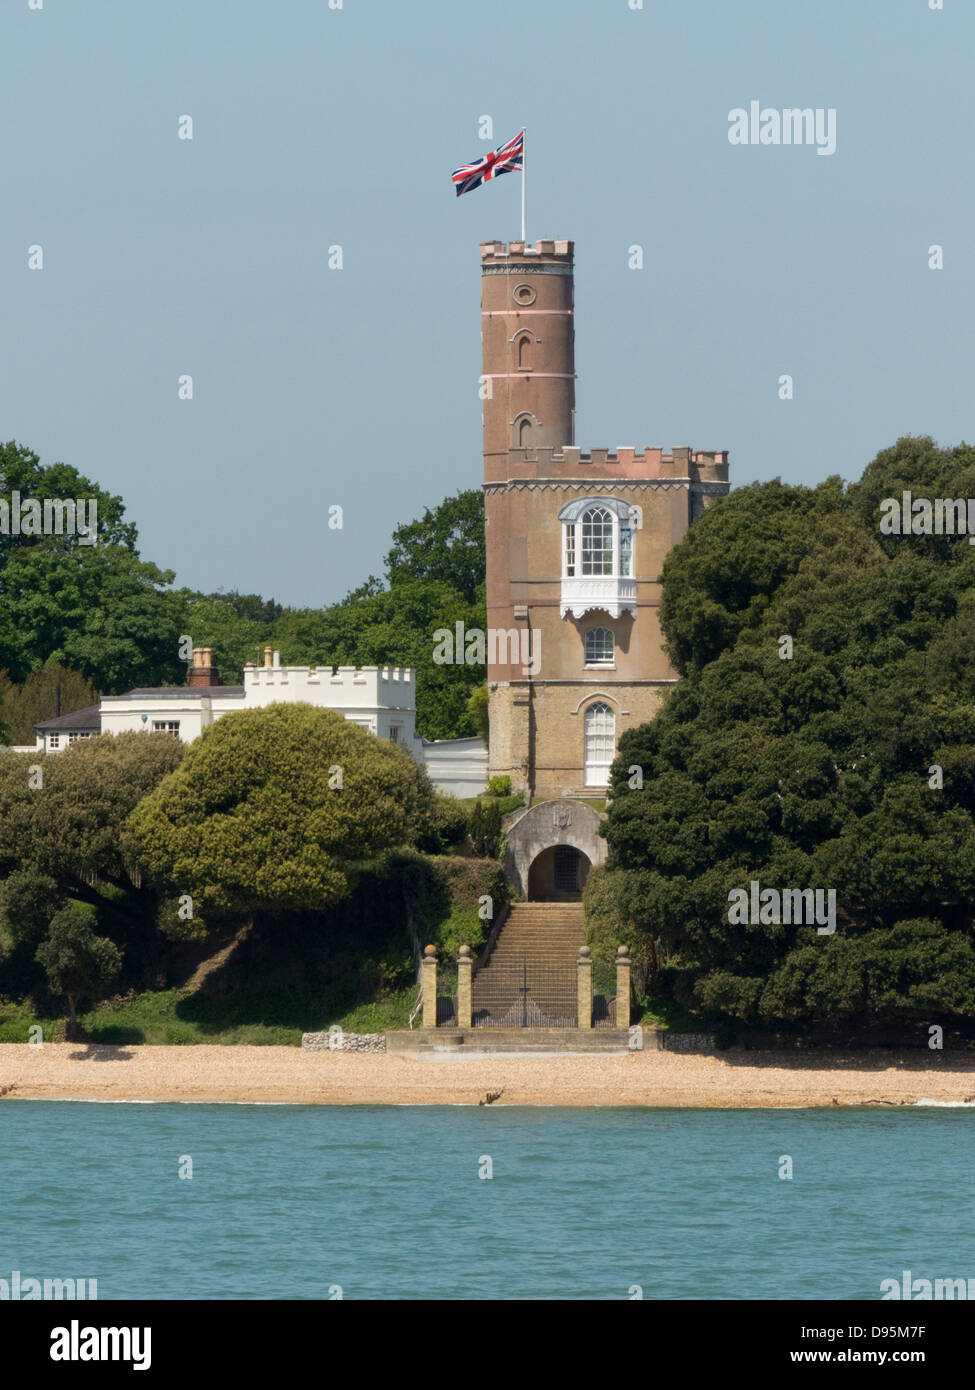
{"x": 315, "y": 127}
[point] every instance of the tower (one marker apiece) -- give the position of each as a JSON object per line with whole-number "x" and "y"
{"x": 575, "y": 541}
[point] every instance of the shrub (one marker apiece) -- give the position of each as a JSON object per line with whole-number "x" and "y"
{"x": 446, "y": 826}
{"x": 499, "y": 786}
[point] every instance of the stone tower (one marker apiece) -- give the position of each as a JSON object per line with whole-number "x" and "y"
{"x": 575, "y": 541}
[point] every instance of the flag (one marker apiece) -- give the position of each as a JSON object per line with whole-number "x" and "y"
{"x": 503, "y": 160}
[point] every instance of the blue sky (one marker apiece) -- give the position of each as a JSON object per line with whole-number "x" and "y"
{"x": 315, "y": 127}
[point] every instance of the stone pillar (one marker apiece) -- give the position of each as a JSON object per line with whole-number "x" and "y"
{"x": 464, "y": 966}
{"x": 584, "y": 969}
{"x": 622, "y": 987}
{"x": 430, "y": 987}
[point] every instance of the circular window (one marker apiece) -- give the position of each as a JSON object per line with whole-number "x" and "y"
{"x": 524, "y": 294}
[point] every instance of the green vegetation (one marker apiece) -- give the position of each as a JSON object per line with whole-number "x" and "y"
{"x": 822, "y": 769}
{"x": 49, "y": 690}
{"x": 77, "y": 962}
{"x": 271, "y": 812}
{"x": 99, "y": 618}
{"x": 295, "y": 972}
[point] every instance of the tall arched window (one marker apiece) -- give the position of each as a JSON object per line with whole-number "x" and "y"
{"x": 599, "y": 647}
{"x": 524, "y": 433}
{"x": 597, "y": 541}
{"x": 600, "y": 744}
{"x": 524, "y": 352}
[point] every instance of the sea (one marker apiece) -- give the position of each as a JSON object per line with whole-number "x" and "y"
{"x": 189, "y": 1201}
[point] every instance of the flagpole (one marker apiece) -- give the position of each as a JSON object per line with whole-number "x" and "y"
{"x": 524, "y": 163}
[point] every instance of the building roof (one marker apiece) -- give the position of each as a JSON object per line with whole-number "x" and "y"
{"x": 180, "y": 692}
{"x": 87, "y": 720}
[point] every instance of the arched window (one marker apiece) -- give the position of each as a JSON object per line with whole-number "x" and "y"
{"x": 598, "y": 556}
{"x": 524, "y": 352}
{"x": 600, "y": 741}
{"x": 525, "y": 433}
{"x": 599, "y": 647}
{"x": 597, "y": 541}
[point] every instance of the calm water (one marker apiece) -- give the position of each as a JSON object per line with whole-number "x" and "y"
{"x": 286, "y": 1201}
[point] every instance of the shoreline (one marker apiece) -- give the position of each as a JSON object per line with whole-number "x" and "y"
{"x": 241, "y": 1074}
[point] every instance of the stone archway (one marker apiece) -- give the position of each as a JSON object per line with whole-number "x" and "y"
{"x": 528, "y": 834}
{"x": 558, "y": 875}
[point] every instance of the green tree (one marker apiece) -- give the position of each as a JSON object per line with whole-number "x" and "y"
{"x": 274, "y": 809}
{"x": 445, "y": 545}
{"x": 492, "y": 829}
{"x": 477, "y": 709}
{"x": 28, "y": 901}
{"x": 52, "y": 689}
{"x": 68, "y": 824}
{"x": 811, "y": 762}
{"x": 96, "y": 608}
{"x": 78, "y": 963}
{"x": 395, "y": 627}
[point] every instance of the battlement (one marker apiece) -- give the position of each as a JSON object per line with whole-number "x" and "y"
{"x": 381, "y": 687}
{"x": 521, "y": 251}
{"x": 569, "y": 461}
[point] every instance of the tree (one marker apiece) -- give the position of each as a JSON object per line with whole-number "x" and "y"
{"x": 492, "y": 829}
{"x": 28, "y": 901}
{"x": 477, "y": 709}
{"x": 52, "y": 689}
{"x": 68, "y": 822}
{"x": 97, "y": 608}
{"x": 272, "y": 811}
{"x": 842, "y": 759}
{"x": 445, "y": 545}
{"x": 78, "y": 963}
{"x": 395, "y": 627}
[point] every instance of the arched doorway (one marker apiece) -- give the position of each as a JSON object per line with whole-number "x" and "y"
{"x": 558, "y": 875}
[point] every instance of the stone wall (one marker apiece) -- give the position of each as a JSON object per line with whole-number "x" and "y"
{"x": 686, "y": 1042}
{"x": 344, "y": 1042}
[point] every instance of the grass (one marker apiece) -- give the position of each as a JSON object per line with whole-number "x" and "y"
{"x": 17, "y": 1019}
{"x": 671, "y": 1017}
{"x": 160, "y": 1017}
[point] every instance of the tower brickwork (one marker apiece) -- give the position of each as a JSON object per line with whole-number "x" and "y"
{"x": 575, "y": 540}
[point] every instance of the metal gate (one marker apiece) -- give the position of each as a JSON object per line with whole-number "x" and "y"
{"x": 528, "y": 995}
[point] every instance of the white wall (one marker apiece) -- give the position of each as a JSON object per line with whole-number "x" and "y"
{"x": 457, "y": 765}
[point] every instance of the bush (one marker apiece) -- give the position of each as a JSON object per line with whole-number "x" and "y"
{"x": 499, "y": 786}
{"x": 446, "y": 826}
{"x": 28, "y": 901}
{"x": 467, "y": 882}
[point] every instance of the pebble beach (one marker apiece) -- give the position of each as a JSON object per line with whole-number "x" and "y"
{"x": 291, "y": 1075}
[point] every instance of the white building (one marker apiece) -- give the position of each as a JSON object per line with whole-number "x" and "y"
{"x": 378, "y": 698}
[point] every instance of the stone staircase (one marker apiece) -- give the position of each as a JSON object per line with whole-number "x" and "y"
{"x": 539, "y": 941}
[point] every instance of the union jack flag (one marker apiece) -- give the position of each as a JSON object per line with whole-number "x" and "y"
{"x": 503, "y": 160}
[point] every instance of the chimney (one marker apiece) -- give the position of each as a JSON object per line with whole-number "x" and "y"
{"x": 202, "y": 672}
{"x": 267, "y": 658}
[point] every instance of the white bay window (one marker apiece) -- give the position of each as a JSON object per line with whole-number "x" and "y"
{"x": 597, "y": 557}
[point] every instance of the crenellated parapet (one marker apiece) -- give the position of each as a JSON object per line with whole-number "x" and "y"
{"x": 569, "y": 461}
{"x": 383, "y": 687}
